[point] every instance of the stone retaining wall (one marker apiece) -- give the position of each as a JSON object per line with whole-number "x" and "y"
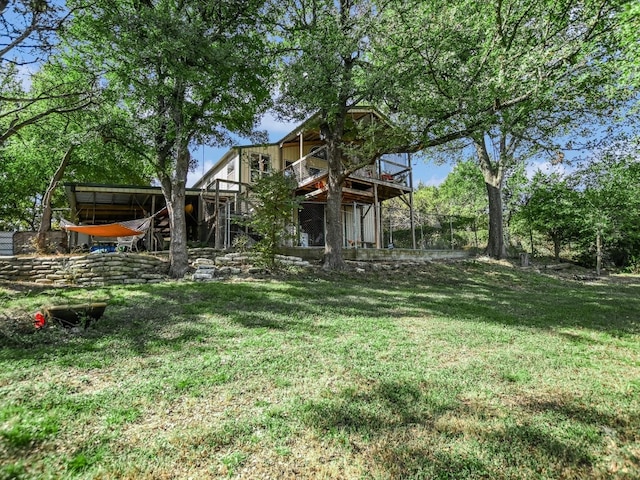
{"x": 130, "y": 268}
{"x": 236, "y": 263}
{"x": 125, "y": 268}
{"x": 90, "y": 269}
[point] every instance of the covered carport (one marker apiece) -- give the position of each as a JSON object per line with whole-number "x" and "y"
{"x": 94, "y": 204}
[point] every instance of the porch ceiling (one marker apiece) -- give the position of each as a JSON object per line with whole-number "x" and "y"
{"x": 97, "y": 204}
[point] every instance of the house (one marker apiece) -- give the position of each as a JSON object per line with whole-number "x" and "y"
{"x": 222, "y": 195}
{"x": 302, "y": 155}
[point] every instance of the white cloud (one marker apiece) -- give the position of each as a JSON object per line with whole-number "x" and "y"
{"x": 547, "y": 168}
{"x": 433, "y": 181}
{"x": 276, "y": 128}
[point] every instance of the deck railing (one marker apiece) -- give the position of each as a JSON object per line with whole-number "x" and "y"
{"x": 314, "y": 165}
{"x": 309, "y": 167}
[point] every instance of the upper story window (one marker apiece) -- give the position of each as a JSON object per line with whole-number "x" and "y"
{"x": 259, "y": 165}
{"x": 231, "y": 169}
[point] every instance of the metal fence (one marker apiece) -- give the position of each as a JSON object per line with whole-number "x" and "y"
{"x": 230, "y": 220}
{"x": 6, "y": 243}
{"x": 433, "y": 231}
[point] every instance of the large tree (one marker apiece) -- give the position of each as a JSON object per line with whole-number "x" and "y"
{"x": 550, "y": 208}
{"x": 189, "y": 71}
{"x": 326, "y": 71}
{"x": 28, "y": 36}
{"x": 608, "y": 206}
{"x": 510, "y": 76}
{"x": 72, "y": 146}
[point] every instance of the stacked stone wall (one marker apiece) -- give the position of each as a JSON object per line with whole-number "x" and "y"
{"x": 236, "y": 263}
{"x": 90, "y": 269}
{"x": 131, "y": 268}
{"x": 126, "y": 268}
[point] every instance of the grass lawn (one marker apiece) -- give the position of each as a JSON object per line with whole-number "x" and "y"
{"x": 463, "y": 370}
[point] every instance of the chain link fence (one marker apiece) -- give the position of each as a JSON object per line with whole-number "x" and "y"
{"x": 311, "y": 220}
{"x": 433, "y": 231}
{"x": 6, "y": 243}
{"x": 229, "y": 219}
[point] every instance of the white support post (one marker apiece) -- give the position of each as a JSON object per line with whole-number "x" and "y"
{"x": 355, "y": 227}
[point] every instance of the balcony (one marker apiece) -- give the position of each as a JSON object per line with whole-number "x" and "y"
{"x": 390, "y": 178}
{"x": 310, "y": 168}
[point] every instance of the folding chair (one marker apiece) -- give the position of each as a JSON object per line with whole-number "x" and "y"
{"x": 128, "y": 243}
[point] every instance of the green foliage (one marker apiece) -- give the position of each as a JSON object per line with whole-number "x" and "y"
{"x": 609, "y": 203}
{"x": 512, "y": 76}
{"x": 463, "y": 192}
{"x": 459, "y": 204}
{"x": 630, "y": 37}
{"x": 600, "y": 198}
{"x": 274, "y": 204}
{"x": 200, "y": 69}
{"x": 551, "y": 209}
{"x": 327, "y": 69}
{"x": 188, "y": 73}
{"x": 468, "y": 67}
{"x": 80, "y": 121}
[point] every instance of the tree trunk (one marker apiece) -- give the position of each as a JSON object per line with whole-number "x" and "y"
{"x": 47, "y": 212}
{"x": 173, "y": 189}
{"x": 333, "y": 259}
{"x": 495, "y": 246}
{"x": 598, "y": 252}
{"x": 178, "y": 253}
{"x": 556, "y": 247}
{"x": 493, "y": 174}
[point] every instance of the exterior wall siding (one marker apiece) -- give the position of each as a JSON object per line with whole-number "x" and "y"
{"x": 272, "y": 151}
{"x": 228, "y": 171}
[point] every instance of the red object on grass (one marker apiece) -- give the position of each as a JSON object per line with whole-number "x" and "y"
{"x": 40, "y": 321}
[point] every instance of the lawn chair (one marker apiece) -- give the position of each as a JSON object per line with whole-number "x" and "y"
{"x": 128, "y": 243}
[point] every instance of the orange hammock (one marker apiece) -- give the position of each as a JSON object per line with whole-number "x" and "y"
{"x": 120, "y": 229}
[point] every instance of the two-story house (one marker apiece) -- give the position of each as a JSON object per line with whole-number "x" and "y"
{"x": 302, "y": 155}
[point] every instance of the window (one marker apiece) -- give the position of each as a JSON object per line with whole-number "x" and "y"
{"x": 259, "y": 165}
{"x": 231, "y": 169}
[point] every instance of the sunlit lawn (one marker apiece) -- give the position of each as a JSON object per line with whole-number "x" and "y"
{"x": 455, "y": 371}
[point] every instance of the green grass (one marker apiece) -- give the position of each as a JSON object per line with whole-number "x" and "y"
{"x": 457, "y": 371}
